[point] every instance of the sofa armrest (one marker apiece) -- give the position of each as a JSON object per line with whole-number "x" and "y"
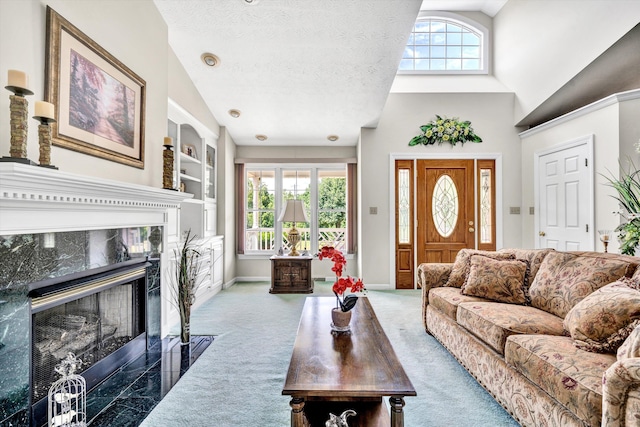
{"x": 621, "y": 393}
{"x": 431, "y": 275}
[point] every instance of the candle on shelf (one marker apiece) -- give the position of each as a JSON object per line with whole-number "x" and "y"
{"x": 44, "y": 109}
{"x": 168, "y": 140}
{"x": 17, "y": 78}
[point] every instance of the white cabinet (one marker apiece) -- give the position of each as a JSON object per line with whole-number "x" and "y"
{"x": 195, "y": 168}
{"x": 217, "y": 264}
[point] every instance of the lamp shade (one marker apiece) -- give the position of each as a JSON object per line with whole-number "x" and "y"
{"x": 293, "y": 212}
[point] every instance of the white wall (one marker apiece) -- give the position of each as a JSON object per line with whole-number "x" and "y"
{"x": 539, "y": 45}
{"x": 133, "y": 32}
{"x": 491, "y": 118}
{"x": 615, "y": 127}
{"x": 227, "y": 203}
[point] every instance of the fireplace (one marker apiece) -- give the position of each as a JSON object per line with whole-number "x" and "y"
{"x": 58, "y": 232}
{"x": 99, "y": 315}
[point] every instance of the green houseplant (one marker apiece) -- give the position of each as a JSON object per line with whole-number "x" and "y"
{"x": 186, "y": 281}
{"x": 628, "y": 195}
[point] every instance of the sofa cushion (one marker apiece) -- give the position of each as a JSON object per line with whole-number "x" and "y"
{"x": 533, "y": 256}
{"x": 570, "y": 375}
{"x": 631, "y": 346}
{"x": 460, "y": 268}
{"x": 493, "y": 322}
{"x": 498, "y": 280}
{"x": 446, "y": 300}
{"x": 605, "y": 318}
{"x": 564, "y": 279}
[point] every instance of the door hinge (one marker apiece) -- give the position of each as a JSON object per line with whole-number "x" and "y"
{"x": 586, "y": 226}
{"x": 586, "y": 162}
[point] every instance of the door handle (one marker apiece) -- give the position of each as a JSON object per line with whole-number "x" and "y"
{"x": 471, "y": 230}
{"x": 542, "y": 234}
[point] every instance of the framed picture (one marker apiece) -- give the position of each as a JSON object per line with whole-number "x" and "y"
{"x": 190, "y": 150}
{"x": 100, "y": 103}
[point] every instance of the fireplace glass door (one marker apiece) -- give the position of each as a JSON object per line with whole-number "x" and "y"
{"x": 91, "y": 327}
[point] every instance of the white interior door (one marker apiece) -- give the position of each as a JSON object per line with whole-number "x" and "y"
{"x": 565, "y": 197}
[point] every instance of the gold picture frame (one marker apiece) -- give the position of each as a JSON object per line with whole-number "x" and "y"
{"x": 100, "y": 102}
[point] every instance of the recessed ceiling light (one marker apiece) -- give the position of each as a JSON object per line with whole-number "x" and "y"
{"x": 251, "y": 2}
{"x": 261, "y": 137}
{"x": 333, "y": 138}
{"x": 210, "y": 59}
{"x": 234, "y": 113}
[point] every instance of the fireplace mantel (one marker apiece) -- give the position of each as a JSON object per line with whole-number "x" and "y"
{"x": 41, "y": 200}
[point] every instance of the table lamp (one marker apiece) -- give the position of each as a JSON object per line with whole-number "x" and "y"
{"x": 293, "y": 212}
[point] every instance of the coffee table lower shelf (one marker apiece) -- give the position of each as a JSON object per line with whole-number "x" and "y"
{"x": 369, "y": 414}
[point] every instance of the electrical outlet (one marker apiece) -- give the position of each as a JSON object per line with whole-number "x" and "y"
{"x": 514, "y": 210}
{"x": 373, "y": 210}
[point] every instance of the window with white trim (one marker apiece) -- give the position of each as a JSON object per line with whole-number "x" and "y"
{"x": 324, "y": 191}
{"x": 445, "y": 45}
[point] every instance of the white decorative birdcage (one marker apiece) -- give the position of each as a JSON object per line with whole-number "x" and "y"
{"x": 68, "y": 396}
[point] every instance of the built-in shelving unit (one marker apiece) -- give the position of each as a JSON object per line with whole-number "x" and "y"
{"x": 195, "y": 168}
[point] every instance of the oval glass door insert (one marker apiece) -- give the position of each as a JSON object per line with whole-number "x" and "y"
{"x": 444, "y": 205}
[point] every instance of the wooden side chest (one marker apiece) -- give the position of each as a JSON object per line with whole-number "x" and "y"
{"x": 291, "y": 275}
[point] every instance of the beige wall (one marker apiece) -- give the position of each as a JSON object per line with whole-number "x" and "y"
{"x": 539, "y": 45}
{"x": 226, "y": 202}
{"x": 133, "y": 32}
{"x": 490, "y": 115}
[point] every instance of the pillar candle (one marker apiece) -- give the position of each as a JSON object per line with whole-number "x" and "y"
{"x": 168, "y": 140}
{"x": 18, "y": 79}
{"x": 44, "y": 109}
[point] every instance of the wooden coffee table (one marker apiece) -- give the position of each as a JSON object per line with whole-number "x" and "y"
{"x": 331, "y": 373}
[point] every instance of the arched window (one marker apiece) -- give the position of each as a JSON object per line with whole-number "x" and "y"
{"x": 446, "y": 44}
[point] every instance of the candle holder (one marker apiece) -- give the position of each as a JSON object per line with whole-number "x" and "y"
{"x": 605, "y": 237}
{"x": 44, "y": 137}
{"x": 167, "y": 167}
{"x": 19, "y": 107}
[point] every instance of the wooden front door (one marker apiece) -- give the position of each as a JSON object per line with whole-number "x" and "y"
{"x": 445, "y": 209}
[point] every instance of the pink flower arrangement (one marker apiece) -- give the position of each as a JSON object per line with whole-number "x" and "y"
{"x": 342, "y": 283}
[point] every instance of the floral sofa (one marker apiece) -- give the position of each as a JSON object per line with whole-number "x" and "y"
{"x": 553, "y": 336}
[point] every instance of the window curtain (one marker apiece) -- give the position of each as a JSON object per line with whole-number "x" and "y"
{"x": 240, "y": 198}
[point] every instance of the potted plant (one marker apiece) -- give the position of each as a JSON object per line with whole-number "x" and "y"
{"x": 341, "y": 314}
{"x": 187, "y": 281}
{"x": 628, "y": 189}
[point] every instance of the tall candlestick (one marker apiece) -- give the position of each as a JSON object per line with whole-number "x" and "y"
{"x": 44, "y": 135}
{"x": 19, "y": 108}
{"x": 167, "y": 166}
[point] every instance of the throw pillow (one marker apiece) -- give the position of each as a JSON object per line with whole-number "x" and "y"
{"x": 565, "y": 278}
{"x": 533, "y": 256}
{"x": 498, "y": 280}
{"x": 604, "y": 319}
{"x": 630, "y": 348}
{"x": 460, "y": 268}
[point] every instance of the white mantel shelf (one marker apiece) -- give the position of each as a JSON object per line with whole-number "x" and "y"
{"x": 37, "y": 200}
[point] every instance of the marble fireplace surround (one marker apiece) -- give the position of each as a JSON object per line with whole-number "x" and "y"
{"x": 36, "y": 203}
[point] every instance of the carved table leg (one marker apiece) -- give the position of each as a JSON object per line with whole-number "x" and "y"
{"x": 397, "y": 416}
{"x": 297, "y": 412}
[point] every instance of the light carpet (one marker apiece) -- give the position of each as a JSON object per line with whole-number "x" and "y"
{"x": 238, "y": 380}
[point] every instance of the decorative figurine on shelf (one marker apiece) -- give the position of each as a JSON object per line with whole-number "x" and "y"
{"x": 68, "y": 396}
{"x": 45, "y": 115}
{"x": 167, "y": 164}
{"x": 18, "y": 82}
{"x": 339, "y": 421}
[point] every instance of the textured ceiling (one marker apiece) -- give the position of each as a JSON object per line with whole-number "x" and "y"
{"x": 298, "y": 70}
